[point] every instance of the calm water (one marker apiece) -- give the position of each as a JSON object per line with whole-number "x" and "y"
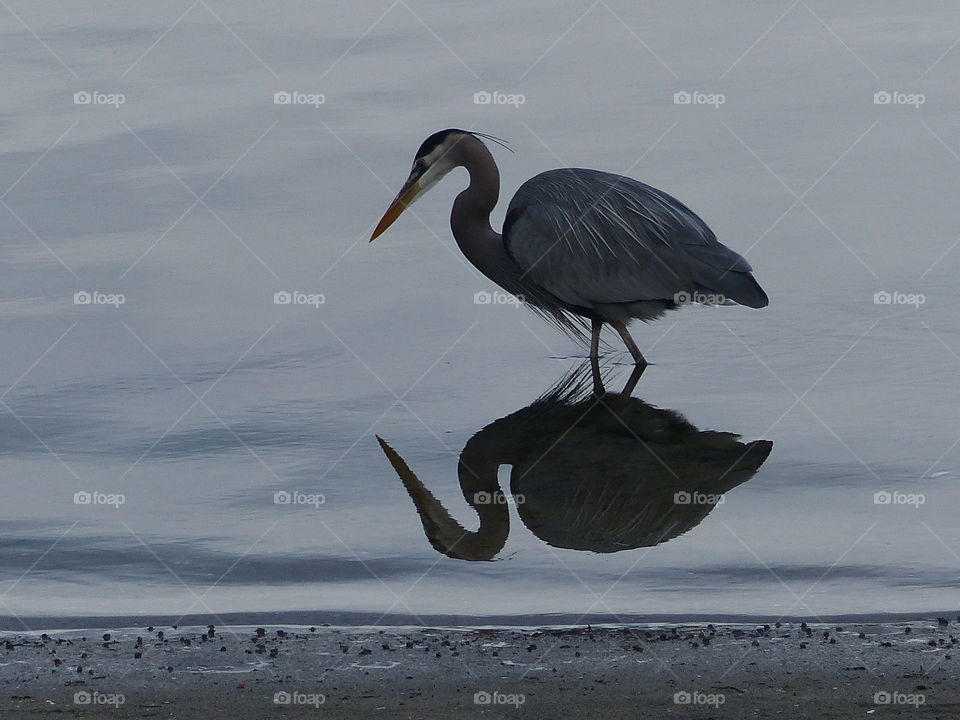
{"x": 198, "y": 399}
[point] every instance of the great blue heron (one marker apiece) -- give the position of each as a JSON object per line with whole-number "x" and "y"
{"x": 581, "y": 245}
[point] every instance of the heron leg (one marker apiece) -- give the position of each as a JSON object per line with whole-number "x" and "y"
{"x": 595, "y": 327}
{"x": 628, "y": 341}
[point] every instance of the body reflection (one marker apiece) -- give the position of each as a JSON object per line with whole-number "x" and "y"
{"x": 603, "y": 473}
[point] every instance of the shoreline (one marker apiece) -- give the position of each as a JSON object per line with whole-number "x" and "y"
{"x": 342, "y": 620}
{"x": 824, "y": 670}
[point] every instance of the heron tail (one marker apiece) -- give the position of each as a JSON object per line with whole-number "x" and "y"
{"x": 740, "y": 287}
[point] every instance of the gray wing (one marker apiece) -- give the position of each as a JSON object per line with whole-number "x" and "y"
{"x": 590, "y": 237}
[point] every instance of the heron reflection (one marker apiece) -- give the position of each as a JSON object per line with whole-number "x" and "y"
{"x": 601, "y": 473}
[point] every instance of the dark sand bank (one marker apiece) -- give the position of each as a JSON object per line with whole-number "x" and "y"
{"x": 898, "y": 669}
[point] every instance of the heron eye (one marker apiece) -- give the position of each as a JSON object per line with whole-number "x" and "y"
{"x": 420, "y": 167}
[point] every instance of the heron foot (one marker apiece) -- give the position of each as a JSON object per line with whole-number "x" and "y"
{"x": 633, "y": 379}
{"x": 621, "y": 328}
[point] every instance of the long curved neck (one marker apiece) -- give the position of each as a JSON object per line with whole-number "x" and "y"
{"x": 470, "y": 218}
{"x": 477, "y": 472}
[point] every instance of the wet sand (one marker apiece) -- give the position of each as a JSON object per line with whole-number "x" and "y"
{"x": 792, "y": 670}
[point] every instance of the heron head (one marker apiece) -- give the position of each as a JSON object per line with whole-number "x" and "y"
{"x": 433, "y": 160}
{"x": 439, "y": 154}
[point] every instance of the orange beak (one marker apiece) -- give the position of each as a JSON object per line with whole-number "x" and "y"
{"x": 408, "y": 193}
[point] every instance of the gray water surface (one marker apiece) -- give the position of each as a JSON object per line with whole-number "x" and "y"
{"x": 198, "y": 399}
